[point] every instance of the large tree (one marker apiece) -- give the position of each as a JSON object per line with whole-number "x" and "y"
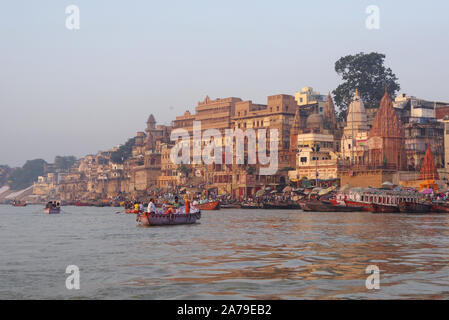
{"x": 64, "y": 163}
{"x": 24, "y": 177}
{"x": 124, "y": 152}
{"x": 367, "y": 73}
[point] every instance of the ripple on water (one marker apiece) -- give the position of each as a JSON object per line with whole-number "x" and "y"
{"x": 231, "y": 254}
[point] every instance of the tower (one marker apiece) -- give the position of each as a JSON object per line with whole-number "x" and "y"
{"x": 386, "y": 139}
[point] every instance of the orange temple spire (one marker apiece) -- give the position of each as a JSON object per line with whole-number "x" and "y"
{"x": 428, "y": 169}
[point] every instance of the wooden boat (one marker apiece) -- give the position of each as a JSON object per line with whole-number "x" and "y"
{"x": 414, "y": 207}
{"x": 267, "y": 205}
{"x": 250, "y": 206}
{"x": 52, "y": 207}
{"x": 19, "y": 203}
{"x": 132, "y": 211}
{"x": 82, "y": 204}
{"x": 381, "y": 208}
{"x": 327, "y": 206}
{"x": 161, "y": 219}
{"x": 440, "y": 207}
{"x": 52, "y": 210}
{"x": 212, "y": 205}
{"x": 230, "y": 206}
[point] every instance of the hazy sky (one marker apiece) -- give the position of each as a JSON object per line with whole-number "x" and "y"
{"x": 68, "y": 92}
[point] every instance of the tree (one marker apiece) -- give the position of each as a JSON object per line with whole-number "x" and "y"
{"x": 24, "y": 177}
{"x": 64, "y": 163}
{"x": 367, "y": 73}
{"x": 123, "y": 152}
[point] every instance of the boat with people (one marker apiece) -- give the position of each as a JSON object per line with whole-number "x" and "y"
{"x": 18, "y": 203}
{"x": 52, "y": 207}
{"x": 160, "y": 218}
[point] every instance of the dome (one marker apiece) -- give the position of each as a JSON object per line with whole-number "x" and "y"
{"x": 315, "y": 120}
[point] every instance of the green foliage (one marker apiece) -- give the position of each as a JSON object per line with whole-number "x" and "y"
{"x": 368, "y": 74}
{"x": 64, "y": 163}
{"x": 24, "y": 177}
{"x": 124, "y": 152}
{"x": 5, "y": 172}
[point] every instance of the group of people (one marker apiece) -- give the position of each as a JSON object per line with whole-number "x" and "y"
{"x": 167, "y": 208}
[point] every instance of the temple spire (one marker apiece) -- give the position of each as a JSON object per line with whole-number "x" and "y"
{"x": 329, "y": 113}
{"x": 428, "y": 169}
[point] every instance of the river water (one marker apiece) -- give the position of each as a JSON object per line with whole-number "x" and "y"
{"x": 230, "y": 254}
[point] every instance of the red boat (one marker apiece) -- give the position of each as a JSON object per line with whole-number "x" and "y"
{"x": 213, "y": 205}
{"x": 19, "y": 204}
{"x": 81, "y": 204}
{"x": 440, "y": 207}
{"x": 132, "y": 211}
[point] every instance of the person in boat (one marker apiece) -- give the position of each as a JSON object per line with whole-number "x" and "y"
{"x": 136, "y": 207}
{"x": 141, "y": 207}
{"x": 187, "y": 204}
{"x": 151, "y": 207}
{"x": 173, "y": 207}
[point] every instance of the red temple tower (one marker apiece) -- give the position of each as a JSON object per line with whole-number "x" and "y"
{"x": 386, "y": 139}
{"x": 428, "y": 169}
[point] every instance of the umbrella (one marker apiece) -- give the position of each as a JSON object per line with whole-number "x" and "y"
{"x": 427, "y": 191}
{"x": 260, "y": 193}
{"x": 267, "y": 188}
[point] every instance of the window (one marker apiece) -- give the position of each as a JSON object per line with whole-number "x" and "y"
{"x": 277, "y": 108}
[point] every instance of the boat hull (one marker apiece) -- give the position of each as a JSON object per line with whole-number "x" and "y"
{"x": 379, "y": 208}
{"x": 214, "y": 205}
{"x": 329, "y": 207}
{"x": 250, "y": 206}
{"x": 440, "y": 208}
{"x": 133, "y": 211}
{"x": 52, "y": 210}
{"x": 280, "y": 206}
{"x": 412, "y": 207}
{"x": 160, "y": 219}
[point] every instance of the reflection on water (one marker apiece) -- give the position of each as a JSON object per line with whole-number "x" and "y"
{"x": 231, "y": 254}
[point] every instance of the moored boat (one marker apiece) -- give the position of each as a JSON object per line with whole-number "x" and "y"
{"x": 327, "y": 206}
{"x": 230, "y": 206}
{"x": 268, "y": 205}
{"x": 211, "y": 205}
{"x": 414, "y": 207}
{"x": 253, "y": 205}
{"x": 17, "y": 203}
{"x": 381, "y": 208}
{"x": 440, "y": 207}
